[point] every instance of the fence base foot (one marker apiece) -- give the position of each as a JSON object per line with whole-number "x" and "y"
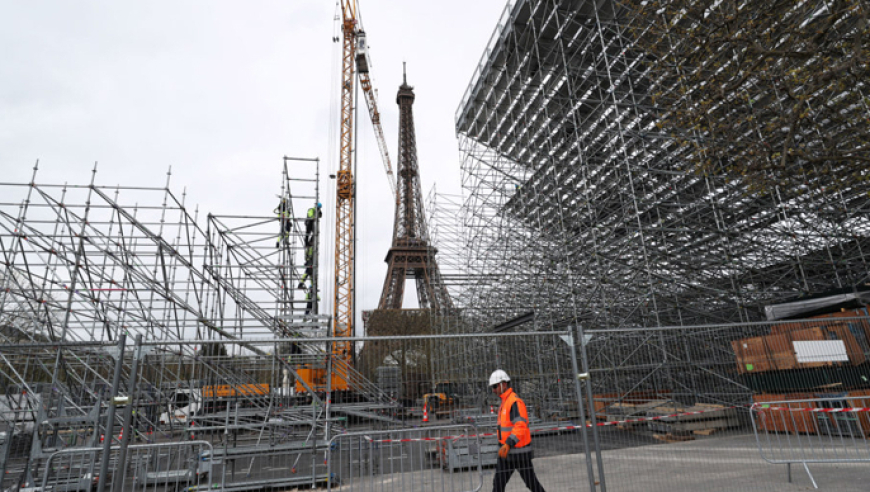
{"x": 813, "y": 480}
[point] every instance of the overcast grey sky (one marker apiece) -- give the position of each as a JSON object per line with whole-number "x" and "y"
{"x": 221, "y": 90}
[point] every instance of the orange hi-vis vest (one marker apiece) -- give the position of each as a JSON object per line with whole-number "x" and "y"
{"x": 515, "y": 433}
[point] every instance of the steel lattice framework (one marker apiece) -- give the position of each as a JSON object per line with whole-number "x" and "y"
{"x": 410, "y": 252}
{"x": 123, "y": 290}
{"x": 84, "y": 264}
{"x": 578, "y": 208}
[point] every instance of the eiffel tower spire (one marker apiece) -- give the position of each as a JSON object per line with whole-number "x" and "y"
{"x": 410, "y": 255}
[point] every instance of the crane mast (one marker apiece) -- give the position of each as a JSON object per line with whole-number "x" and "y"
{"x": 343, "y": 307}
{"x": 354, "y": 56}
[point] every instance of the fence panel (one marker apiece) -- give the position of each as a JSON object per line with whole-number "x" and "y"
{"x": 411, "y": 459}
{"x": 442, "y": 379}
{"x": 656, "y": 409}
{"x": 816, "y": 430}
{"x": 676, "y": 406}
{"x": 164, "y": 466}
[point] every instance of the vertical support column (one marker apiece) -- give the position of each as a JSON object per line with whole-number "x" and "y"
{"x": 110, "y": 416}
{"x": 329, "y": 348}
{"x": 118, "y": 485}
{"x": 315, "y": 272}
{"x": 591, "y": 399}
{"x": 569, "y": 339}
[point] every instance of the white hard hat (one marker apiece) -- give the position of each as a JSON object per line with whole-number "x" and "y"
{"x": 498, "y": 376}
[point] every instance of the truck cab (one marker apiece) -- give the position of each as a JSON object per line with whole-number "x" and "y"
{"x": 182, "y": 406}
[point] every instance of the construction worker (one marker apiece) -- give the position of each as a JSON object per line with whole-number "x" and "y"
{"x": 310, "y": 218}
{"x": 283, "y": 211}
{"x": 137, "y": 423}
{"x": 513, "y": 435}
{"x": 309, "y": 305}
{"x": 309, "y": 266}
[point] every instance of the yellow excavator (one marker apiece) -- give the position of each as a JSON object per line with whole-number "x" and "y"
{"x": 443, "y": 399}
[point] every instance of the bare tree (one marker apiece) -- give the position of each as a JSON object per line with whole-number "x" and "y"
{"x": 412, "y": 358}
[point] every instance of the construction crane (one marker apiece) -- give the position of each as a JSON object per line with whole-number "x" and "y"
{"x": 354, "y": 56}
{"x": 362, "y": 65}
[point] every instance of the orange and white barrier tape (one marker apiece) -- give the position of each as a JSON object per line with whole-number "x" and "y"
{"x": 813, "y": 409}
{"x": 552, "y": 429}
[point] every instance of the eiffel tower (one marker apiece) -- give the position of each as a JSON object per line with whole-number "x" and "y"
{"x": 410, "y": 254}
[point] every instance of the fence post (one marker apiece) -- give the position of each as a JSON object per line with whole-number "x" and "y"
{"x": 591, "y": 399}
{"x": 569, "y": 339}
{"x": 118, "y": 485}
{"x": 328, "y": 409}
{"x": 110, "y": 416}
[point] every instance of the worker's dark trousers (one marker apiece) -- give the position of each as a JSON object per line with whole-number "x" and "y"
{"x": 521, "y": 462}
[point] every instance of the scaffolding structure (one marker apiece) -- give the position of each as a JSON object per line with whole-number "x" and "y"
{"x": 618, "y": 288}
{"x": 578, "y": 208}
{"x": 92, "y": 275}
{"x": 87, "y": 263}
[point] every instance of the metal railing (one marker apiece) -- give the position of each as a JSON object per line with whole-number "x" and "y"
{"x": 831, "y": 429}
{"x": 163, "y": 465}
{"x": 360, "y": 384}
{"x": 410, "y": 459}
{"x": 651, "y": 403}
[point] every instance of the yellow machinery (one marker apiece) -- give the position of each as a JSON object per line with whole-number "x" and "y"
{"x": 227, "y": 390}
{"x": 316, "y": 379}
{"x": 443, "y": 398}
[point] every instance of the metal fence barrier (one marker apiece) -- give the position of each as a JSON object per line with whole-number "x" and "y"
{"x": 439, "y": 458}
{"x": 162, "y": 466}
{"x": 830, "y": 429}
{"x": 665, "y": 409}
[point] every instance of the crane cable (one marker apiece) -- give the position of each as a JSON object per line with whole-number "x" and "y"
{"x": 327, "y": 229}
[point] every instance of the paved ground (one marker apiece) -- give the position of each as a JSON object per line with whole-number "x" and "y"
{"x": 729, "y": 463}
{"x": 721, "y": 464}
